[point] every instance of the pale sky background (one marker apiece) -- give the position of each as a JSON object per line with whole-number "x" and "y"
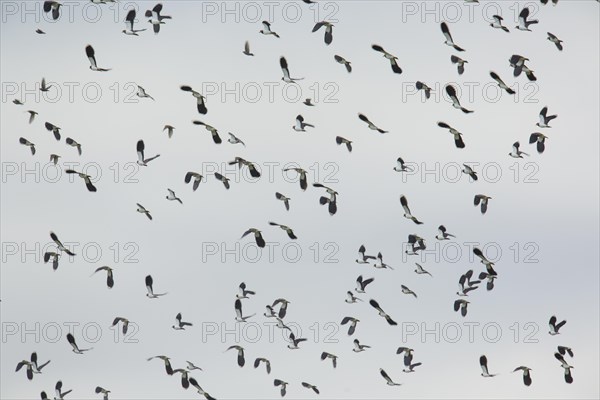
{"x": 557, "y": 217}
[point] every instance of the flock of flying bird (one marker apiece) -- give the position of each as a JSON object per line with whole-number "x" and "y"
{"x": 279, "y": 307}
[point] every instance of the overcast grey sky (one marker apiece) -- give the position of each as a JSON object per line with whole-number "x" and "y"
{"x": 542, "y": 226}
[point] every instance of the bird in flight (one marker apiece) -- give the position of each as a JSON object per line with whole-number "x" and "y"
{"x": 91, "y": 55}
{"x": 449, "y": 41}
{"x": 393, "y": 59}
{"x": 328, "y": 30}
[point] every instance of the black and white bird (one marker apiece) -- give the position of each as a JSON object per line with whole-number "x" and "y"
{"x": 526, "y": 374}
{"x": 192, "y": 367}
{"x": 155, "y": 13}
{"x": 286, "y": 72}
{"x": 501, "y": 83}
{"x": 387, "y": 378}
{"x": 358, "y": 348}
{"x": 155, "y": 18}
{"x": 540, "y": 140}
{"x": 282, "y": 308}
{"x": 382, "y": 313}
{"x": 110, "y": 281}
{"x": 401, "y": 166}
{"x": 142, "y": 210}
{"x": 451, "y": 91}
{"x": 100, "y": 389}
{"x": 283, "y": 386}
{"x": 489, "y": 285}
{"x": 308, "y": 102}
{"x": 60, "y": 395}
{"x": 421, "y": 271}
{"x": 200, "y": 104}
{"x": 185, "y": 383}
{"x": 300, "y": 124}
{"x": 565, "y": 350}
{"x": 213, "y": 131}
{"x": 464, "y": 287}
{"x": 565, "y": 365}
{"x": 406, "y": 290}
{"x": 260, "y": 242}
{"x": 91, "y": 55}
{"x": 55, "y": 257}
{"x": 442, "y": 234}
{"x": 241, "y": 360}
{"x": 286, "y": 228}
{"x": 426, "y": 89}
{"x": 239, "y": 316}
{"x": 408, "y": 354}
{"x": 312, "y": 387}
{"x": 76, "y": 349}
{"x": 267, "y": 363}
{"x": 179, "y": 324}
{"x": 40, "y": 32}
{"x": 362, "y": 283}
{"x": 223, "y": 179}
{"x": 557, "y": 42}
{"x": 407, "y": 213}
{"x": 172, "y": 197}
{"x": 352, "y": 327}
{"x": 18, "y": 102}
{"x": 151, "y": 294}
{"x": 555, "y": 327}
{"x": 44, "y": 87}
{"x": 416, "y": 244}
{"x": 545, "y": 118}
{"x": 247, "y": 49}
{"x": 54, "y": 7}
{"x": 518, "y": 63}
{"x": 167, "y": 361}
{"x": 484, "y": 367}
{"x": 448, "y": 36}
{"x": 243, "y": 292}
{"x": 516, "y": 153}
{"x": 170, "y": 129}
{"x": 498, "y": 23}
{"x": 86, "y": 178}
{"x": 460, "y": 63}
{"x": 488, "y": 264}
{"x": 73, "y": 143}
{"x": 37, "y": 368}
{"x": 266, "y": 30}
{"x": 142, "y": 94}
{"x": 235, "y": 140}
{"x": 393, "y": 59}
{"x": 124, "y": 321}
{"x": 342, "y": 140}
{"x": 469, "y": 171}
{"x": 362, "y": 257}
{"x": 27, "y": 143}
{"x": 483, "y": 199}
{"x": 351, "y": 298}
{"x": 28, "y": 369}
{"x": 524, "y": 23}
{"x": 381, "y": 264}
{"x": 325, "y": 355}
{"x": 32, "y": 115}
{"x": 302, "y": 175}
{"x": 129, "y": 23}
{"x": 332, "y": 200}
{"x": 199, "y": 389}
{"x": 59, "y": 244}
{"x": 328, "y": 30}
{"x": 294, "y": 341}
{"x": 461, "y": 305}
{"x": 54, "y": 158}
{"x": 54, "y": 129}
{"x": 142, "y": 160}
{"x": 371, "y": 126}
{"x": 285, "y": 199}
{"x": 344, "y": 62}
